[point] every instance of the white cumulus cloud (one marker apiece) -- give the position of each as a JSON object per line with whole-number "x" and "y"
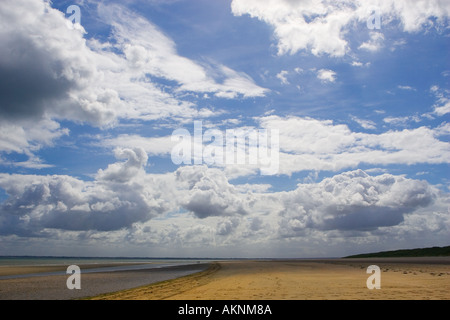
{"x": 321, "y": 27}
{"x": 326, "y": 75}
{"x": 60, "y": 74}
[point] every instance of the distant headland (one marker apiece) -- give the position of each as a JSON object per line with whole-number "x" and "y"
{"x": 419, "y": 252}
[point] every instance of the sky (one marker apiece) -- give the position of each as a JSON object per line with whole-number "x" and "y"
{"x": 243, "y": 128}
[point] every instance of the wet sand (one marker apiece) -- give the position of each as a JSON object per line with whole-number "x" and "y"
{"x": 25, "y": 270}
{"x": 319, "y": 279}
{"x": 54, "y": 287}
{"x": 335, "y": 279}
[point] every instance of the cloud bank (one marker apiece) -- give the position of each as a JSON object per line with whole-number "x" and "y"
{"x": 321, "y": 27}
{"x": 125, "y": 197}
{"x": 50, "y": 73}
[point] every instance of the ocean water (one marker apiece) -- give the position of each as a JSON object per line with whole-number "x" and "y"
{"x": 123, "y": 264}
{"x": 52, "y": 261}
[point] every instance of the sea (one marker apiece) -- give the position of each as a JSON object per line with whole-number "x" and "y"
{"x": 120, "y": 264}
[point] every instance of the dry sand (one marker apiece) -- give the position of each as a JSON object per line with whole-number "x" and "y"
{"x": 401, "y": 279}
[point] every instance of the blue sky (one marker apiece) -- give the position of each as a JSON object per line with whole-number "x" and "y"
{"x": 88, "y": 110}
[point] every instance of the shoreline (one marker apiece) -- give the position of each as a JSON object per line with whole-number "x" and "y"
{"x": 28, "y": 270}
{"x": 270, "y": 279}
{"x": 315, "y": 279}
{"x": 53, "y": 287}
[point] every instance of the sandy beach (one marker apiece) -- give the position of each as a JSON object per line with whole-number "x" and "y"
{"x": 401, "y": 279}
{"x": 317, "y": 279}
{"x": 53, "y": 287}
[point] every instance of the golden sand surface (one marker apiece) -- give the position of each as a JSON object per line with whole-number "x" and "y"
{"x": 301, "y": 280}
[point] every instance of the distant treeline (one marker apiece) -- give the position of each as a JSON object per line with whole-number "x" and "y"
{"x": 420, "y": 252}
